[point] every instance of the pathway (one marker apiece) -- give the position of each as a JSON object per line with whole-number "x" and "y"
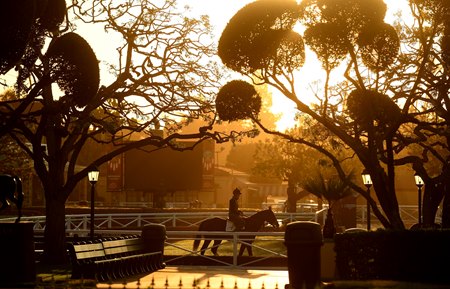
{"x": 207, "y": 277}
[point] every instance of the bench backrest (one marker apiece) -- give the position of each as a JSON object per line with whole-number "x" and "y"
{"x": 88, "y": 251}
{"x": 123, "y": 246}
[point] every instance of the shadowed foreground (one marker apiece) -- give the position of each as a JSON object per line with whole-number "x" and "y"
{"x": 207, "y": 277}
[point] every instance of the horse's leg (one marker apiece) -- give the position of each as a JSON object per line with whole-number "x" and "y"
{"x": 205, "y": 245}
{"x": 250, "y": 248}
{"x": 215, "y": 247}
{"x": 242, "y": 249}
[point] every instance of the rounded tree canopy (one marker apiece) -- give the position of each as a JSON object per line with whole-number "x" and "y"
{"x": 281, "y": 50}
{"x": 370, "y": 108}
{"x": 336, "y": 24}
{"x": 74, "y": 67}
{"x": 328, "y": 42}
{"x": 237, "y": 100}
{"x": 246, "y": 44}
{"x": 353, "y": 15}
{"x": 379, "y": 45}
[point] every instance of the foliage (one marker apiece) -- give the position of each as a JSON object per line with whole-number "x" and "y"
{"x": 379, "y": 46}
{"x": 405, "y": 255}
{"x": 371, "y": 108}
{"x": 331, "y": 188}
{"x": 241, "y": 157}
{"x": 74, "y": 67}
{"x": 334, "y": 26}
{"x": 237, "y": 100}
{"x": 161, "y": 78}
{"x": 244, "y": 45}
{"x": 16, "y": 22}
{"x": 390, "y": 107}
{"x": 283, "y": 160}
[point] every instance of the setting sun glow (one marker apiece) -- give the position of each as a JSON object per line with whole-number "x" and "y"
{"x": 310, "y": 77}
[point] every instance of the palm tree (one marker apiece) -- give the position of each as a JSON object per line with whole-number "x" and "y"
{"x": 332, "y": 189}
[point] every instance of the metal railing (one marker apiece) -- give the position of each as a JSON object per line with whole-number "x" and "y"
{"x": 193, "y": 219}
{"x": 178, "y": 245}
{"x": 136, "y": 220}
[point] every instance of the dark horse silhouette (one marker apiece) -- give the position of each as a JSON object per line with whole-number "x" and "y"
{"x": 11, "y": 191}
{"x": 254, "y": 223}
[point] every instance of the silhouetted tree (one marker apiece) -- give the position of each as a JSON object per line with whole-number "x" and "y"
{"x": 332, "y": 189}
{"x": 163, "y": 79}
{"x": 376, "y": 111}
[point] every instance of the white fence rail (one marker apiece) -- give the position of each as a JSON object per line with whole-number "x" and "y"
{"x": 121, "y": 224}
{"x": 136, "y": 220}
{"x": 178, "y": 245}
{"x": 193, "y": 219}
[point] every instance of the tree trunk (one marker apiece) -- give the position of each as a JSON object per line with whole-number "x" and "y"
{"x": 329, "y": 229}
{"x": 387, "y": 198}
{"x": 291, "y": 202}
{"x": 432, "y": 197}
{"x": 55, "y": 232}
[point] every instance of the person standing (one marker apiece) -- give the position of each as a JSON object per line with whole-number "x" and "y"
{"x": 234, "y": 214}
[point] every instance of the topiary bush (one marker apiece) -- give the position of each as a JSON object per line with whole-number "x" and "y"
{"x": 408, "y": 255}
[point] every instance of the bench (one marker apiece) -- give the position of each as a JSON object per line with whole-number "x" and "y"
{"x": 114, "y": 258}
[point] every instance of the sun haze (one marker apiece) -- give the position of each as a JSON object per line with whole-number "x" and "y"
{"x": 309, "y": 76}
{"x": 220, "y": 12}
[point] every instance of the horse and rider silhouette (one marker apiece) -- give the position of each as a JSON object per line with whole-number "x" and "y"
{"x": 253, "y": 223}
{"x": 11, "y": 191}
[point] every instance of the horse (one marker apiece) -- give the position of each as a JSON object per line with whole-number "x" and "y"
{"x": 253, "y": 223}
{"x": 11, "y": 191}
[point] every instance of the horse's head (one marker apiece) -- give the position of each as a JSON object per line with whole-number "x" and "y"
{"x": 271, "y": 218}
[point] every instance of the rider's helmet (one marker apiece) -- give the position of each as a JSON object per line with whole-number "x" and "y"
{"x": 236, "y": 192}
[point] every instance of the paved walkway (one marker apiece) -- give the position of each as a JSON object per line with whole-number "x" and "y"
{"x": 208, "y": 277}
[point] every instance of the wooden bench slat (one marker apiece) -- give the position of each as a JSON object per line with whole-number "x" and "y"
{"x": 112, "y": 259}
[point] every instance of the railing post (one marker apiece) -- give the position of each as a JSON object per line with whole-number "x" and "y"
{"x": 68, "y": 222}
{"x": 85, "y": 225}
{"x": 174, "y": 220}
{"x": 235, "y": 245}
{"x": 139, "y": 221}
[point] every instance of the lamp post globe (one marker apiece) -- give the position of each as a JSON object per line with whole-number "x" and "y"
{"x": 419, "y": 183}
{"x": 93, "y": 175}
{"x": 367, "y": 181}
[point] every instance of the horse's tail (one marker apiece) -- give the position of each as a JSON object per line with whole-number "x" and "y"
{"x": 198, "y": 238}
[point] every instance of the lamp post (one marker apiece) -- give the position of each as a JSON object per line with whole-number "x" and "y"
{"x": 419, "y": 184}
{"x": 367, "y": 180}
{"x": 93, "y": 178}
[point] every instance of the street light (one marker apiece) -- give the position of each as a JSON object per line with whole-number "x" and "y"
{"x": 367, "y": 180}
{"x": 93, "y": 178}
{"x": 419, "y": 184}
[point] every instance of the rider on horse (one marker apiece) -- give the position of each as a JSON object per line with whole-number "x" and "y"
{"x": 234, "y": 214}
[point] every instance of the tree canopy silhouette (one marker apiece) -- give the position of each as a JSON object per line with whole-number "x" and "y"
{"x": 390, "y": 107}
{"x": 237, "y": 100}
{"x": 74, "y": 67}
{"x": 160, "y": 79}
{"x": 255, "y": 35}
